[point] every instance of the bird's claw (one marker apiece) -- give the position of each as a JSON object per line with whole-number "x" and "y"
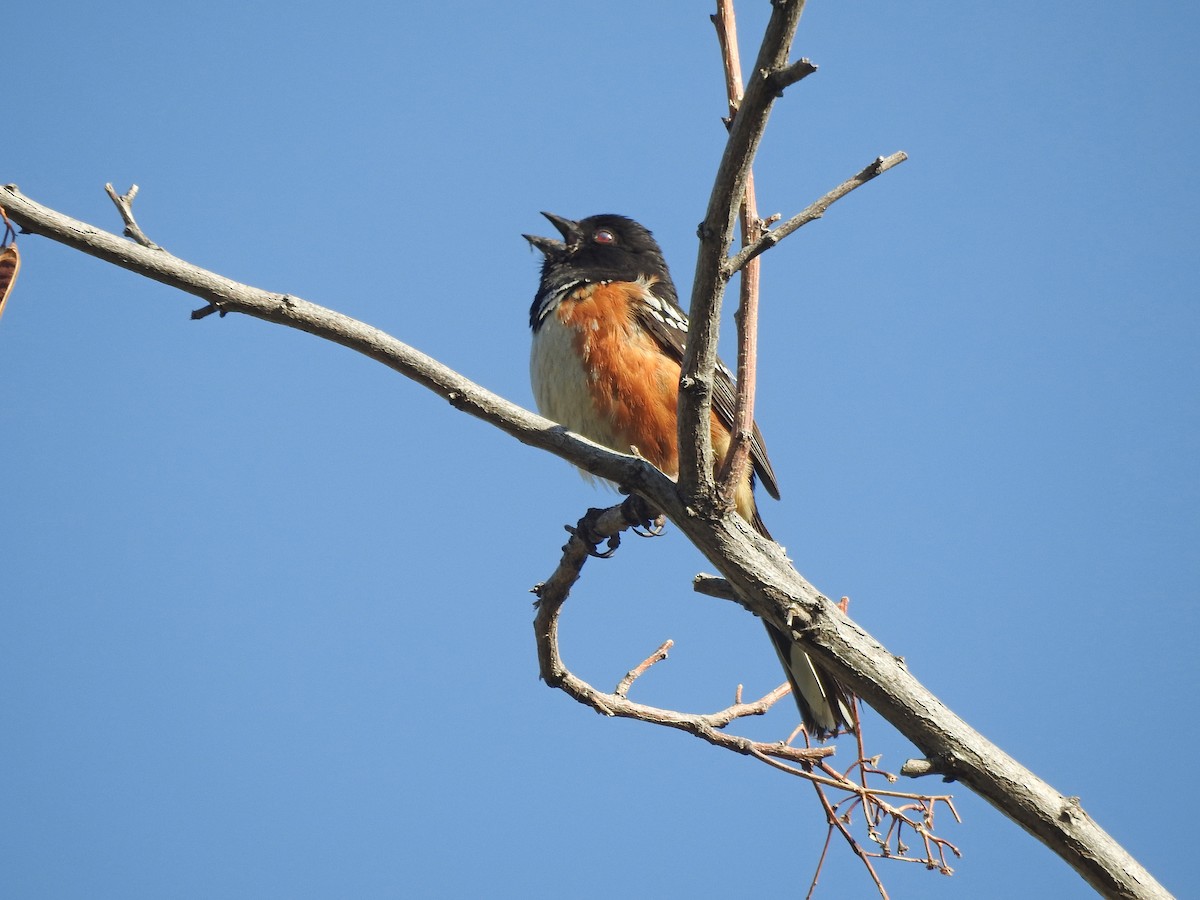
{"x": 585, "y": 530}
{"x": 643, "y": 518}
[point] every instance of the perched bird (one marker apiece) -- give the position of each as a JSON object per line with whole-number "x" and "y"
{"x": 608, "y": 340}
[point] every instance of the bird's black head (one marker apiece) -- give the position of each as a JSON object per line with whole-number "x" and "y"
{"x": 606, "y": 247}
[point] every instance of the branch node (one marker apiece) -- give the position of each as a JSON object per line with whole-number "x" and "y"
{"x": 124, "y": 203}
{"x": 205, "y": 311}
{"x": 1071, "y": 810}
{"x": 713, "y": 586}
{"x": 788, "y": 75}
{"x": 917, "y": 768}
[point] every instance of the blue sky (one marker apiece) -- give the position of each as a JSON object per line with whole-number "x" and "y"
{"x": 265, "y": 622}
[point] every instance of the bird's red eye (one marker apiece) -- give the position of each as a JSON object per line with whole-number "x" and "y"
{"x": 604, "y": 236}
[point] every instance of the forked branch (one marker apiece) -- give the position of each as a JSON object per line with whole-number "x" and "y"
{"x": 124, "y": 204}
{"x": 813, "y": 211}
{"x": 892, "y": 818}
{"x": 552, "y": 594}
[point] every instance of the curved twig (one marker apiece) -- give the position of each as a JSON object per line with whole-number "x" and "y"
{"x": 552, "y": 594}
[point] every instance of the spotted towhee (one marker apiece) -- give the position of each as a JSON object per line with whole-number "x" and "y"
{"x": 608, "y": 339}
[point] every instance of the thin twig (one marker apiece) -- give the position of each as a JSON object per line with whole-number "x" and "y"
{"x": 812, "y": 887}
{"x": 875, "y": 808}
{"x": 622, "y": 688}
{"x": 736, "y": 464}
{"x": 835, "y": 821}
{"x": 10, "y": 231}
{"x": 813, "y": 211}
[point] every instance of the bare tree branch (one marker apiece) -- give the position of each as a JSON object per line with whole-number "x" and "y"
{"x": 552, "y": 595}
{"x": 790, "y": 74}
{"x": 623, "y": 686}
{"x": 124, "y": 204}
{"x": 736, "y": 465}
{"x": 804, "y": 762}
{"x": 814, "y": 210}
{"x": 758, "y": 572}
{"x": 716, "y": 236}
{"x": 227, "y": 296}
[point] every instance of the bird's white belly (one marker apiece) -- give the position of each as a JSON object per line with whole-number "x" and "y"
{"x": 561, "y": 385}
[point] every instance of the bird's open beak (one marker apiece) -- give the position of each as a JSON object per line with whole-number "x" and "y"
{"x": 568, "y": 229}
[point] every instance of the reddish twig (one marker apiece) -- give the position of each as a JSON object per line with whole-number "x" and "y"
{"x": 835, "y": 822}
{"x": 875, "y": 809}
{"x": 695, "y": 480}
{"x": 737, "y": 460}
{"x": 637, "y": 671}
{"x": 812, "y": 887}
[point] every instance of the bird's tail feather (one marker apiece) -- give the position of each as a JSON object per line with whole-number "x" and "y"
{"x": 824, "y": 704}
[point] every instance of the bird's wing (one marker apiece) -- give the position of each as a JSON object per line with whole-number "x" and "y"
{"x": 668, "y": 324}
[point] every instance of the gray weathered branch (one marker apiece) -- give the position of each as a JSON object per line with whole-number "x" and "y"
{"x": 812, "y": 212}
{"x": 758, "y": 571}
{"x": 716, "y": 236}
